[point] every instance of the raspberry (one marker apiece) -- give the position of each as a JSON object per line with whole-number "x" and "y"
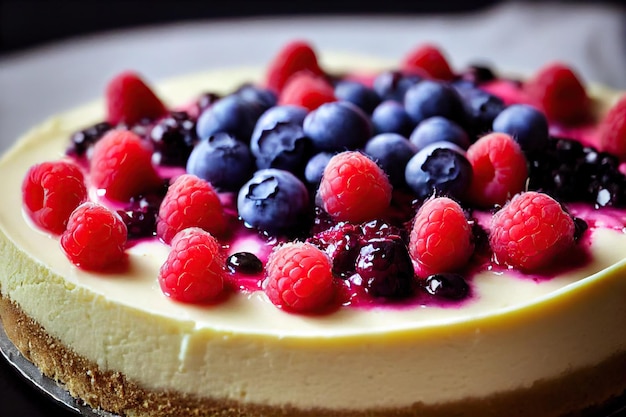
{"x": 195, "y": 269}
{"x": 129, "y": 100}
{"x": 294, "y": 57}
{"x": 441, "y": 237}
{"x": 559, "y": 92}
{"x": 95, "y": 237}
{"x": 306, "y": 90}
{"x": 354, "y": 188}
{"x": 428, "y": 58}
{"x": 499, "y": 167}
{"x": 122, "y": 166}
{"x": 612, "y": 130}
{"x": 299, "y": 278}
{"x": 530, "y": 231}
{"x": 190, "y": 202}
{"x": 50, "y": 192}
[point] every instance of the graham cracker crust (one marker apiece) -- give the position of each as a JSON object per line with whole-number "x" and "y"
{"x": 580, "y": 393}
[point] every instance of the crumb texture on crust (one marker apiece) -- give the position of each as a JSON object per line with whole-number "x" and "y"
{"x": 580, "y": 393}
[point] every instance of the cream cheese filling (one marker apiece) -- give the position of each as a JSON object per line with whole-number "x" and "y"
{"x": 514, "y": 332}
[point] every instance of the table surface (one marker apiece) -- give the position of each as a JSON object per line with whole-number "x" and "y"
{"x": 40, "y": 82}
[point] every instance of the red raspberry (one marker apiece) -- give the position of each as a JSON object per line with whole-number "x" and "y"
{"x": 307, "y": 90}
{"x": 121, "y": 165}
{"x": 530, "y": 231}
{"x": 441, "y": 237}
{"x": 50, "y": 192}
{"x": 299, "y": 278}
{"x": 612, "y": 130}
{"x": 195, "y": 269}
{"x": 190, "y": 202}
{"x": 500, "y": 169}
{"x": 296, "y": 56}
{"x": 428, "y": 58}
{"x": 354, "y": 189}
{"x": 559, "y": 92}
{"x": 129, "y": 100}
{"x": 95, "y": 237}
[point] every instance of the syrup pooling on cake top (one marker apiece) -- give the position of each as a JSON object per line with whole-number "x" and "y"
{"x": 328, "y": 190}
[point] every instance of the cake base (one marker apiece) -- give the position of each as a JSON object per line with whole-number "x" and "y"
{"x": 585, "y": 392}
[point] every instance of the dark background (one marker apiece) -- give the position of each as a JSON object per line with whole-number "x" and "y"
{"x": 26, "y": 23}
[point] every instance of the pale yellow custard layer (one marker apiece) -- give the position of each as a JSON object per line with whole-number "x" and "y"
{"x": 512, "y": 333}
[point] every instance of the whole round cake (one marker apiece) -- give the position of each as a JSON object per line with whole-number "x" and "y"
{"x": 326, "y": 236}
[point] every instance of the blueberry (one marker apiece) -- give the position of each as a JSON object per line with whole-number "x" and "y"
{"x": 384, "y": 268}
{"x": 283, "y": 146}
{"x": 391, "y": 152}
{"x": 432, "y": 98}
{"x": 390, "y": 116}
{"x": 439, "y": 129}
{"x": 393, "y": 84}
{"x": 526, "y": 124}
{"x": 337, "y": 126}
{"x": 481, "y": 108}
{"x": 450, "y": 286}
{"x": 359, "y": 94}
{"x": 244, "y": 263}
{"x": 223, "y": 160}
{"x": 278, "y": 114}
{"x": 478, "y": 74}
{"x": 314, "y": 168}
{"x": 173, "y": 138}
{"x": 274, "y": 201}
{"x": 231, "y": 114}
{"x": 258, "y": 96}
{"x": 441, "y": 168}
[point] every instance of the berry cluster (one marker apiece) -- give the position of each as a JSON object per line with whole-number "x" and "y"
{"x": 367, "y": 183}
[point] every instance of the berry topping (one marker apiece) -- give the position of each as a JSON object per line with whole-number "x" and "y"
{"x": 129, "y": 100}
{"x": 299, "y": 278}
{"x": 559, "y": 92}
{"x": 244, "y": 263}
{"x": 527, "y": 125}
{"x": 195, "y": 270}
{"x": 95, "y": 237}
{"x": 307, "y": 90}
{"x": 121, "y": 165}
{"x": 353, "y": 188}
{"x": 222, "y": 160}
{"x": 278, "y": 114}
{"x": 393, "y": 85}
{"x": 82, "y": 141}
{"x": 231, "y": 114}
{"x": 450, "y": 286}
{"x": 429, "y": 59}
{"x": 190, "y": 202}
{"x": 173, "y": 138}
{"x": 51, "y": 191}
{"x": 274, "y": 201}
{"x": 338, "y": 126}
{"x": 500, "y": 169}
{"x": 315, "y": 166}
{"x": 441, "y": 237}
{"x": 384, "y": 268}
{"x": 481, "y": 109}
{"x": 441, "y": 168}
{"x": 530, "y": 231}
{"x": 140, "y": 215}
{"x": 612, "y": 130}
{"x": 294, "y": 57}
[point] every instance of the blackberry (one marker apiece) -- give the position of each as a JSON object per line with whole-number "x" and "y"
{"x": 140, "y": 216}
{"x": 449, "y": 286}
{"x": 571, "y": 172}
{"x": 173, "y": 137}
{"x": 81, "y": 141}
